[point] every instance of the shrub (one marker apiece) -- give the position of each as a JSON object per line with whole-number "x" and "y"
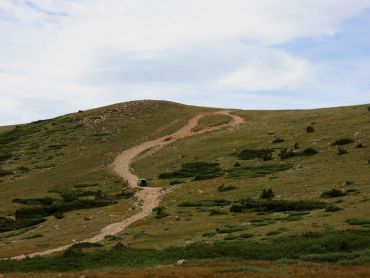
{"x": 22, "y": 169}
{"x": 4, "y": 173}
{"x": 213, "y": 212}
{"x": 332, "y": 208}
{"x": 248, "y": 154}
{"x": 285, "y": 153}
{"x": 359, "y": 146}
{"x": 160, "y": 212}
{"x": 236, "y": 208}
{"x": 356, "y": 221}
{"x": 59, "y": 215}
{"x": 333, "y": 193}
{"x": 256, "y": 171}
{"x": 8, "y": 225}
{"x": 278, "y": 140}
{"x": 310, "y": 129}
{"x": 309, "y": 151}
{"x": 245, "y": 235}
{"x": 198, "y": 170}
{"x": 223, "y": 188}
{"x": 276, "y": 205}
{"x": 287, "y": 249}
{"x": 343, "y": 141}
{"x": 4, "y": 156}
{"x": 205, "y": 203}
{"x": 112, "y": 238}
{"x": 342, "y": 151}
{"x": 35, "y": 202}
{"x": 267, "y": 194}
{"x": 229, "y": 229}
{"x": 209, "y": 234}
{"x": 175, "y": 182}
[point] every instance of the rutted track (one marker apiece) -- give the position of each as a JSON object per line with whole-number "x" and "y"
{"x": 149, "y": 197}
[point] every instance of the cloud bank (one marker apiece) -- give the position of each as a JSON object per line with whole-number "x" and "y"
{"x": 61, "y": 56}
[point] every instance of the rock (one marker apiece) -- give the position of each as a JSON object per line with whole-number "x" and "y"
{"x": 88, "y": 218}
{"x": 181, "y": 262}
{"x": 10, "y": 218}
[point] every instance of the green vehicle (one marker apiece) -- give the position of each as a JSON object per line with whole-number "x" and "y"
{"x": 142, "y": 183}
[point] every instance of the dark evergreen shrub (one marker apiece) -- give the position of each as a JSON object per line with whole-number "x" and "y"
{"x": 342, "y": 151}
{"x": 343, "y": 141}
{"x": 278, "y": 140}
{"x": 310, "y": 129}
{"x": 267, "y": 194}
{"x": 333, "y": 193}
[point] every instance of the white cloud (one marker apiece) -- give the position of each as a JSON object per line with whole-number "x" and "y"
{"x": 267, "y": 69}
{"x": 53, "y": 50}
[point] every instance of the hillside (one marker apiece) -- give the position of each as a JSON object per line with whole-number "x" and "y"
{"x": 58, "y": 186}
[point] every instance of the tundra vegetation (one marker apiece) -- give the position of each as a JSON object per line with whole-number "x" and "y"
{"x": 216, "y": 205}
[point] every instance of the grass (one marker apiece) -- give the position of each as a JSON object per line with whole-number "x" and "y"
{"x": 256, "y": 171}
{"x": 195, "y": 170}
{"x": 276, "y": 205}
{"x": 248, "y": 154}
{"x": 90, "y": 140}
{"x": 356, "y": 221}
{"x": 333, "y": 193}
{"x": 212, "y": 121}
{"x": 305, "y": 246}
{"x": 62, "y": 152}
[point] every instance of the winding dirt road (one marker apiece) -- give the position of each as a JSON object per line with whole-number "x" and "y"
{"x": 149, "y": 197}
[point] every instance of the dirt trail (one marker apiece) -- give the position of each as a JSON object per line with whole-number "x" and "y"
{"x": 149, "y": 197}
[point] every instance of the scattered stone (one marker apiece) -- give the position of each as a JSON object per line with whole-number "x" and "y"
{"x": 181, "y": 262}
{"x": 10, "y": 218}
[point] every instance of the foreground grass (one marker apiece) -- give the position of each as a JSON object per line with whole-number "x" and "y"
{"x": 353, "y": 246}
{"x": 228, "y": 269}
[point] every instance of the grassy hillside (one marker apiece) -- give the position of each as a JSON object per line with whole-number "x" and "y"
{"x": 72, "y": 153}
{"x": 307, "y": 177}
{"x": 316, "y": 163}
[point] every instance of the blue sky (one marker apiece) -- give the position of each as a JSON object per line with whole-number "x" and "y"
{"x": 59, "y": 56}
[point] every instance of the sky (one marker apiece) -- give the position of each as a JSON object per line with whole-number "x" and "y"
{"x": 60, "y": 56}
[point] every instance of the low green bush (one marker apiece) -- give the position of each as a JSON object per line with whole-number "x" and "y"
{"x": 35, "y": 202}
{"x": 276, "y": 205}
{"x": 278, "y": 140}
{"x": 205, "y": 203}
{"x": 333, "y": 193}
{"x": 343, "y": 141}
{"x": 309, "y": 151}
{"x": 333, "y": 208}
{"x": 248, "y": 154}
{"x": 229, "y": 229}
{"x": 214, "y": 212}
{"x": 267, "y": 194}
{"x": 224, "y": 188}
{"x": 310, "y": 129}
{"x": 11, "y": 225}
{"x": 285, "y": 153}
{"x": 4, "y": 173}
{"x": 357, "y": 221}
{"x": 245, "y": 235}
{"x": 256, "y": 171}
{"x": 289, "y": 248}
{"x": 160, "y": 212}
{"x": 196, "y": 170}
